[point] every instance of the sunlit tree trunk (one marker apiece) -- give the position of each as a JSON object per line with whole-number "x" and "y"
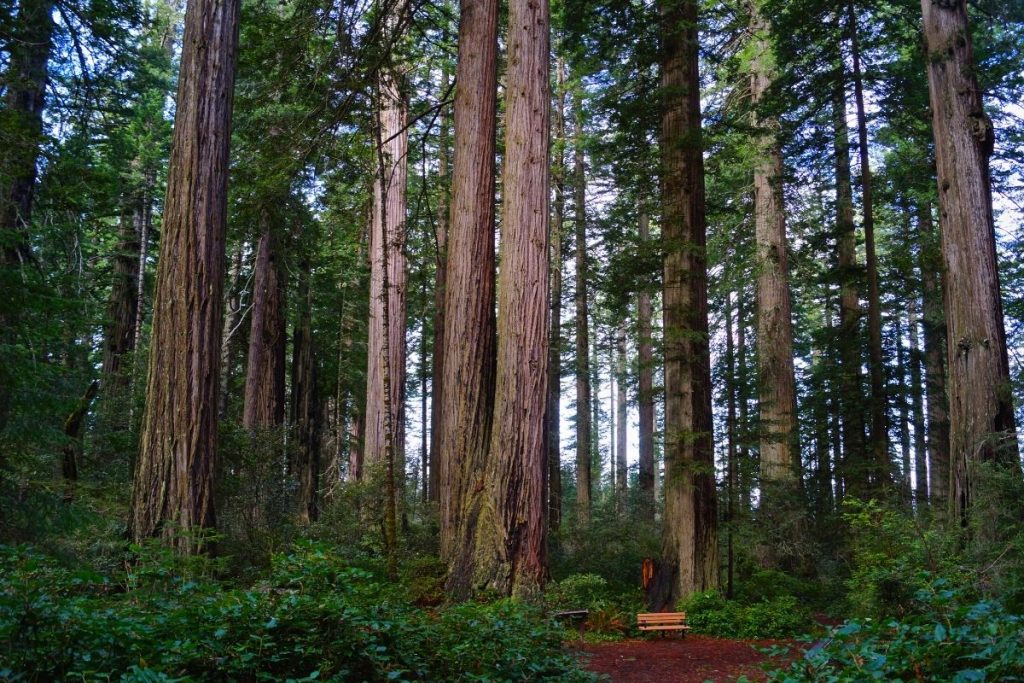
{"x": 467, "y": 388}
{"x": 173, "y": 488}
{"x": 512, "y": 549}
{"x": 689, "y": 533}
{"x": 982, "y": 425}
{"x": 776, "y": 381}
{"x": 440, "y": 286}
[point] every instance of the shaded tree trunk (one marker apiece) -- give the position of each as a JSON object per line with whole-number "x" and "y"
{"x": 233, "y": 319}
{"x": 511, "y": 551}
{"x": 122, "y": 313}
{"x": 880, "y": 465}
{"x": 584, "y": 407}
{"x": 72, "y": 451}
{"x": 467, "y": 388}
{"x": 21, "y": 124}
{"x": 173, "y": 489}
{"x": 982, "y": 424}
{"x": 689, "y": 533}
{"x": 440, "y": 286}
{"x": 933, "y": 322}
{"x": 854, "y": 472}
{"x": 730, "y": 463}
{"x": 620, "y": 414}
{"x": 645, "y": 390}
{"x": 264, "y": 380}
{"x": 554, "y": 437}
{"x": 917, "y": 405}
{"x": 305, "y": 408}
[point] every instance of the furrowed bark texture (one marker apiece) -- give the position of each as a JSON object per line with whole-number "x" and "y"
{"x": 511, "y": 552}
{"x": 467, "y": 388}
{"x": 584, "y": 399}
{"x": 689, "y": 533}
{"x": 390, "y": 216}
{"x": 173, "y": 489}
{"x": 776, "y": 381}
{"x": 645, "y": 390}
{"x": 982, "y": 426}
{"x": 554, "y": 435}
{"x": 264, "y": 378}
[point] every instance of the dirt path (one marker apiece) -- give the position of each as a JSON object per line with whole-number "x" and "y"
{"x": 693, "y": 659}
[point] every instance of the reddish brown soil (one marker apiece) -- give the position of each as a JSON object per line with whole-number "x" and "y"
{"x": 692, "y": 659}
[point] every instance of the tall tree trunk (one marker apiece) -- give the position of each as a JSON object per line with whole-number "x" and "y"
{"x": 21, "y": 124}
{"x": 689, "y": 533}
{"x": 621, "y": 471}
{"x": 233, "y": 318}
{"x": 730, "y": 427}
{"x": 904, "y": 413}
{"x": 440, "y": 286}
{"x": 645, "y": 390}
{"x": 854, "y": 472}
{"x": 780, "y": 459}
{"x": 982, "y": 425}
{"x": 746, "y": 483}
{"x": 554, "y": 435}
{"x": 917, "y": 405}
{"x": 467, "y": 388}
{"x": 880, "y": 466}
{"x": 512, "y": 546}
{"x": 264, "y": 379}
{"x": 173, "y": 489}
{"x": 305, "y": 408}
{"x": 933, "y": 322}
{"x": 389, "y": 207}
{"x": 584, "y": 407}
{"x": 119, "y": 332}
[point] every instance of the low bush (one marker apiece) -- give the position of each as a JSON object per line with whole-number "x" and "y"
{"x": 711, "y": 614}
{"x": 312, "y": 617}
{"x": 946, "y": 636}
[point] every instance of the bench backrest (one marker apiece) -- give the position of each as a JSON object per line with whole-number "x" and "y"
{"x": 661, "y": 618}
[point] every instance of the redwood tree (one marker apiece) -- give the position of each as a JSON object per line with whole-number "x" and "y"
{"x": 173, "y": 487}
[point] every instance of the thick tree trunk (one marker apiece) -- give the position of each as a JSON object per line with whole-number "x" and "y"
{"x": 933, "y": 322}
{"x": 780, "y": 459}
{"x": 854, "y": 470}
{"x": 584, "y": 407}
{"x": 305, "y": 408}
{"x": 982, "y": 425}
{"x": 264, "y": 379}
{"x": 389, "y": 207}
{"x": 440, "y": 286}
{"x": 173, "y": 489}
{"x": 645, "y": 390}
{"x": 21, "y": 125}
{"x": 880, "y": 465}
{"x": 511, "y": 552}
{"x": 554, "y": 427}
{"x": 689, "y": 533}
{"x": 467, "y": 388}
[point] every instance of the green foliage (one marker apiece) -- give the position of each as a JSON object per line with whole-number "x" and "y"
{"x": 313, "y": 616}
{"x": 711, "y": 614}
{"x": 948, "y": 636}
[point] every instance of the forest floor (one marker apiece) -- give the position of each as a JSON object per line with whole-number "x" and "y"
{"x": 692, "y": 659}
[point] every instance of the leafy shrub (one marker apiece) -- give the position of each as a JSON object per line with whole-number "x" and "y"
{"x": 711, "y": 614}
{"x": 311, "y": 617}
{"x": 610, "y": 613}
{"x": 946, "y": 637}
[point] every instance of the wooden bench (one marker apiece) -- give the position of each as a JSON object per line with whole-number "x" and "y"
{"x": 662, "y": 621}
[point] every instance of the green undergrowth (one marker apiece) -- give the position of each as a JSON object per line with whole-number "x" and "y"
{"x": 945, "y": 634}
{"x": 709, "y": 613}
{"x": 311, "y": 616}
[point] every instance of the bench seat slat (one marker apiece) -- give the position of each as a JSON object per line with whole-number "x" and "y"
{"x": 679, "y": 627}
